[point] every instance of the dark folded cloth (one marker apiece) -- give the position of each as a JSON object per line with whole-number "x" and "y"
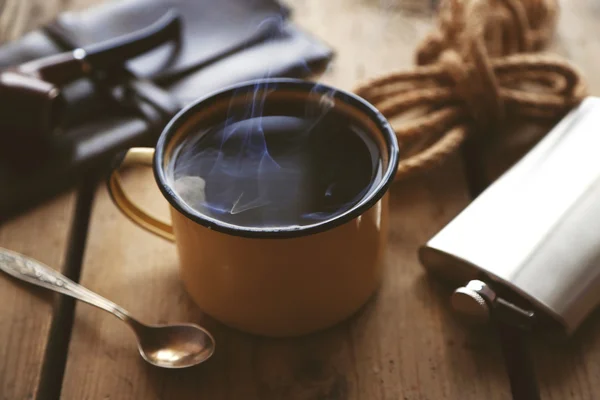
{"x": 222, "y": 43}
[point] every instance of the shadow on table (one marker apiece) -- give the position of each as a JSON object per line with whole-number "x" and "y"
{"x": 568, "y": 367}
{"x": 323, "y": 365}
{"x": 464, "y": 343}
{"x": 250, "y": 367}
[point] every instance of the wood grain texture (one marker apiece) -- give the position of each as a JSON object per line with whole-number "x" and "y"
{"x": 404, "y": 344}
{"x": 26, "y": 312}
{"x": 567, "y": 370}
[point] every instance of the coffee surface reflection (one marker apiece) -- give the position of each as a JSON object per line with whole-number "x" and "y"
{"x": 275, "y": 170}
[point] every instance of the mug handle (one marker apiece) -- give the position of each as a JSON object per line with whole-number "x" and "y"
{"x": 136, "y": 156}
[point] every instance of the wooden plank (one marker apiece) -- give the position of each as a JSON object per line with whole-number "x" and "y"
{"x": 404, "y": 344}
{"x": 566, "y": 369}
{"x": 26, "y": 313}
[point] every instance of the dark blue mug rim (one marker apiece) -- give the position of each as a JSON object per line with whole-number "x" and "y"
{"x": 287, "y": 231}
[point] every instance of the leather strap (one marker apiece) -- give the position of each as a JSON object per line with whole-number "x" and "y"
{"x": 514, "y": 342}
{"x": 144, "y": 97}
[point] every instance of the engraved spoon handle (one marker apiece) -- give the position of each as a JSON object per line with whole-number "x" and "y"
{"x": 36, "y": 273}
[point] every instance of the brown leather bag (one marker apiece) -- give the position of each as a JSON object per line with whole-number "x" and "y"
{"x": 221, "y": 43}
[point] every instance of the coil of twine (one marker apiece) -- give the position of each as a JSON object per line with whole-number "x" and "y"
{"x": 478, "y": 68}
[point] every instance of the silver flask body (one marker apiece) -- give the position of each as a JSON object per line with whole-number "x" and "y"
{"x": 536, "y": 229}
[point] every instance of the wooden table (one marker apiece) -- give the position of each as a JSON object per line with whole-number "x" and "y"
{"x": 405, "y": 344}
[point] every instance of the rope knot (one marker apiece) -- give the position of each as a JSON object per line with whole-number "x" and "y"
{"x": 472, "y": 74}
{"x": 475, "y": 84}
{"x": 506, "y": 26}
{"x": 467, "y": 63}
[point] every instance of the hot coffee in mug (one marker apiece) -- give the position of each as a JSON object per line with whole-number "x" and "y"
{"x": 278, "y": 202}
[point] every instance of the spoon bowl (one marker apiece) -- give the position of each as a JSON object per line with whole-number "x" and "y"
{"x": 174, "y": 346}
{"x": 165, "y": 346}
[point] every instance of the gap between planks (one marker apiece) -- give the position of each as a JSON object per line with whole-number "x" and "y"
{"x": 55, "y": 357}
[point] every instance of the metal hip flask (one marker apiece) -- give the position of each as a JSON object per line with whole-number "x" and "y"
{"x": 533, "y": 236}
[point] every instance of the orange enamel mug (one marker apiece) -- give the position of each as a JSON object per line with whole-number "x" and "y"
{"x": 273, "y": 281}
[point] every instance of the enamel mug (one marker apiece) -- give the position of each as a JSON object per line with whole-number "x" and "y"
{"x": 273, "y": 281}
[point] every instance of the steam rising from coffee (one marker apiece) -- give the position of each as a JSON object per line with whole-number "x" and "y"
{"x": 274, "y": 164}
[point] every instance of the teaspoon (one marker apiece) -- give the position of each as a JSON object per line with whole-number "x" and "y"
{"x": 166, "y": 346}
